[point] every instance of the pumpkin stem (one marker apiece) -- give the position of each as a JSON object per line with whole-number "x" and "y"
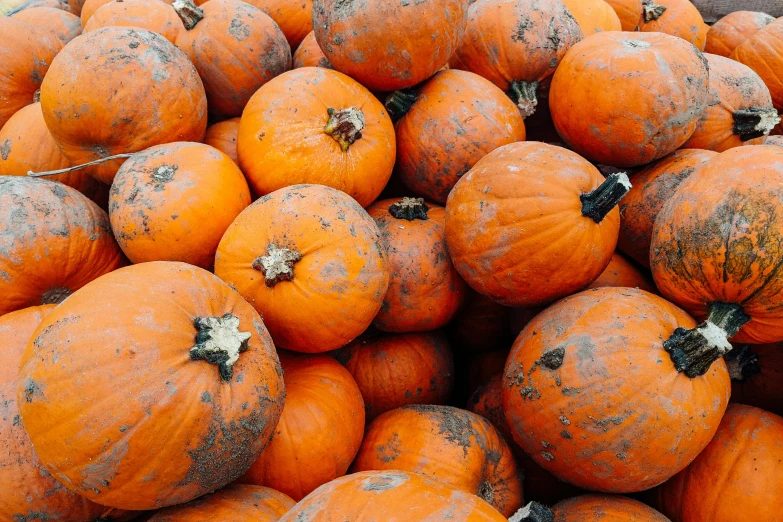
{"x": 410, "y": 209}
{"x": 533, "y": 512}
{"x": 345, "y": 126}
{"x": 277, "y": 265}
{"x": 524, "y": 95}
{"x": 652, "y": 11}
{"x": 219, "y": 342}
{"x": 598, "y": 203}
{"x": 398, "y": 103}
{"x": 743, "y": 363}
{"x": 32, "y": 174}
{"x": 693, "y": 351}
{"x": 37, "y": 96}
{"x": 55, "y": 296}
{"x": 754, "y": 122}
{"x": 188, "y": 12}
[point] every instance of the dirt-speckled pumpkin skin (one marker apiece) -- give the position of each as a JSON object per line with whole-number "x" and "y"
{"x": 719, "y": 238}
{"x": 457, "y": 119}
{"x": 630, "y": 12}
{"x": 152, "y": 15}
{"x": 681, "y": 19}
{"x": 62, "y": 24}
{"x": 737, "y": 476}
{"x": 593, "y": 16}
{"x": 622, "y": 273}
{"x": 386, "y": 44}
{"x": 53, "y": 241}
{"x": 155, "y": 92}
{"x": 153, "y": 427}
{"x": 605, "y": 508}
{"x": 651, "y": 188}
{"x": 400, "y": 369}
{"x": 235, "y": 503}
{"x": 653, "y": 90}
{"x": 592, "y": 396}
{"x": 774, "y": 140}
{"x": 763, "y": 52}
{"x": 764, "y": 389}
{"x": 223, "y": 136}
{"x": 308, "y": 54}
{"x": 295, "y": 18}
{"x": 729, "y": 32}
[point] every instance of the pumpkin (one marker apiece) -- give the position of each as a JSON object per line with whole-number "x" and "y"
{"x": 156, "y": 97}
{"x": 535, "y": 36}
{"x": 591, "y": 508}
{"x": 774, "y": 140}
{"x": 643, "y": 420}
{"x": 90, "y": 6}
{"x": 757, "y": 376}
{"x": 61, "y": 24}
{"x": 739, "y": 111}
{"x": 152, "y": 15}
{"x": 446, "y": 126}
{"x": 398, "y": 370}
{"x": 225, "y": 40}
{"x": 763, "y": 52}
{"x": 295, "y": 19}
{"x": 76, "y": 6}
{"x": 391, "y": 496}
{"x": 594, "y": 16}
{"x": 622, "y": 273}
{"x": 151, "y": 386}
{"x": 223, "y": 137}
{"x": 481, "y": 325}
{"x": 311, "y": 261}
{"x": 60, "y": 5}
{"x": 54, "y": 241}
{"x": 174, "y": 202}
{"x": 387, "y": 45}
{"x": 739, "y": 466}
{"x": 456, "y": 446}
{"x": 569, "y": 215}
{"x": 487, "y": 401}
{"x": 643, "y": 112}
{"x": 314, "y": 125}
{"x": 677, "y": 18}
{"x": 652, "y": 187}
{"x": 319, "y": 432}
{"x": 425, "y": 290}
{"x": 308, "y": 54}
{"x": 630, "y": 13}
{"x": 730, "y": 31}
{"x": 237, "y": 502}
{"x": 715, "y": 248}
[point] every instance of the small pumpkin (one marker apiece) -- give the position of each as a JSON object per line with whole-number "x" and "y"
{"x": 61, "y": 24}
{"x": 730, "y": 31}
{"x": 174, "y": 202}
{"x": 152, "y": 15}
{"x": 319, "y": 432}
{"x": 237, "y": 503}
{"x": 652, "y": 187}
{"x": 643, "y": 111}
{"x": 308, "y": 54}
{"x": 677, "y": 18}
{"x": 757, "y": 376}
{"x": 594, "y": 16}
{"x": 739, "y": 465}
{"x": 535, "y": 36}
{"x": 630, "y": 13}
{"x": 311, "y": 261}
{"x": 188, "y": 391}
{"x": 569, "y": 215}
{"x": 223, "y": 137}
{"x": 314, "y": 125}
{"x": 397, "y": 370}
{"x": 295, "y": 19}
{"x": 622, "y": 273}
{"x": 481, "y": 325}
{"x": 445, "y": 126}
{"x": 763, "y": 52}
{"x": 591, "y": 508}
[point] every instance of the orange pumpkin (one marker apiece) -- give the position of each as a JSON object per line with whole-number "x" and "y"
{"x": 592, "y": 395}
{"x": 535, "y": 36}
{"x": 319, "y": 432}
{"x": 61, "y": 24}
{"x": 174, "y": 202}
{"x": 446, "y": 126}
{"x": 223, "y": 137}
{"x": 388, "y": 45}
{"x": 334, "y": 133}
{"x": 774, "y": 140}
{"x": 308, "y": 54}
{"x": 295, "y": 19}
{"x": 54, "y": 241}
{"x": 188, "y": 393}
{"x": 569, "y": 215}
{"x": 152, "y": 15}
{"x": 643, "y": 112}
{"x": 481, "y": 325}
{"x": 739, "y": 111}
{"x": 736, "y": 477}
{"x": 677, "y": 18}
{"x": 763, "y": 52}
{"x": 652, "y": 187}
{"x": 311, "y": 261}
{"x": 235, "y": 503}
{"x": 594, "y": 16}
{"x": 391, "y": 496}
{"x": 622, "y": 273}
{"x": 757, "y": 376}
{"x": 225, "y": 40}
{"x": 630, "y": 13}
{"x": 398, "y": 370}
{"x": 593, "y": 508}
{"x": 701, "y": 243}
{"x": 143, "y": 75}
{"x": 730, "y": 31}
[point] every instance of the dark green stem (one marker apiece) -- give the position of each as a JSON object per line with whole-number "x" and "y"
{"x": 533, "y": 512}
{"x": 754, "y": 123}
{"x": 523, "y": 94}
{"x": 598, "y": 203}
{"x": 743, "y": 363}
{"x": 400, "y": 102}
{"x": 409, "y": 209}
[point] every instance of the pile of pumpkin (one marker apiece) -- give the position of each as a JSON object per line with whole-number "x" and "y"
{"x": 360, "y": 294}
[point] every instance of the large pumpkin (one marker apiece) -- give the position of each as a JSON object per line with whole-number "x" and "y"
{"x": 62, "y": 24}
{"x": 314, "y": 125}
{"x": 757, "y": 376}
{"x": 311, "y": 261}
{"x": 295, "y": 19}
{"x": 319, "y": 432}
{"x": 763, "y": 52}
{"x": 630, "y": 13}
{"x": 594, "y": 16}
{"x": 505, "y": 250}
{"x": 174, "y": 202}
{"x": 592, "y": 508}
{"x": 592, "y": 395}
{"x": 622, "y": 273}
{"x": 730, "y": 31}
{"x": 152, "y": 15}
{"x": 223, "y": 137}
{"x": 535, "y": 36}
{"x": 308, "y": 54}
{"x": 151, "y": 386}
{"x": 736, "y": 477}
{"x": 615, "y": 101}
{"x": 235, "y": 503}
{"x": 716, "y": 248}
{"x": 54, "y": 241}
{"x": 154, "y": 91}
{"x": 677, "y": 18}
{"x": 449, "y": 123}
{"x": 388, "y": 45}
